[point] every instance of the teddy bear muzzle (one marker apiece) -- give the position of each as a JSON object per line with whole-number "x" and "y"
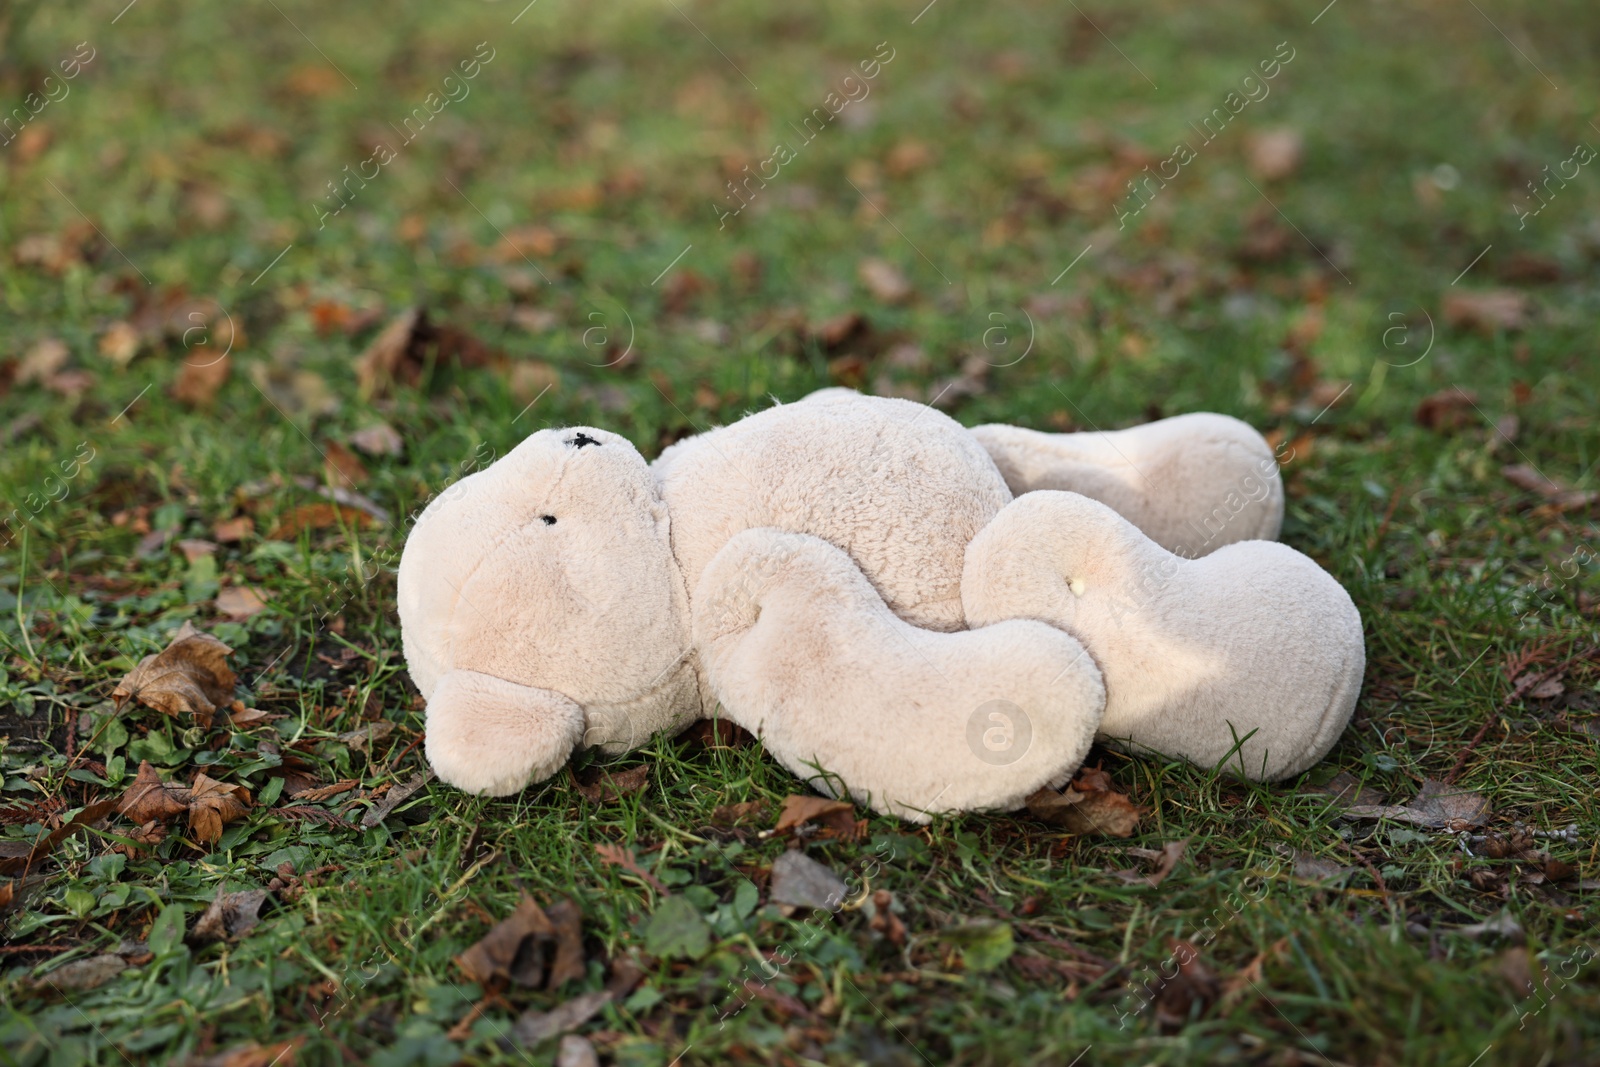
{"x": 490, "y": 736}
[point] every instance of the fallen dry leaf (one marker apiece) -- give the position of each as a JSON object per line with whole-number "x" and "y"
{"x": 230, "y": 917}
{"x": 1436, "y": 807}
{"x": 1562, "y": 497}
{"x": 1189, "y": 993}
{"x": 214, "y": 804}
{"x": 608, "y": 787}
{"x": 802, "y": 882}
{"x": 620, "y": 856}
{"x": 239, "y": 602}
{"x": 189, "y": 675}
{"x": 1448, "y": 409}
{"x": 279, "y": 1054}
{"x": 884, "y": 921}
{"x": 534, "y": 1026}
{"x": 200, "y": 380}
{"x": 230, "y": 531}
{"x": 379, "y": 439}
{"x": 314, "y": 796}
{"x": 408, "y": 345}
{"x": 1487, "y": 311}
{"x": 1275, "y": 154}
{"x": 88, "y": 973}
{"x": 884, "y": 280}
{"x": 195, "y": 548}
{"x": 394, "y": 798}
{"x": 1166, "y": 860}
{"x": 149, "y": 798}
{"x": 318, "y": 516}
{"x": 342, "y": 465}
{"x": 1089, "y": 806}
{"x": 27, "y": 857}
{"x": 513, "y": 950}
{"x": 837, "y": 816}
{"x": 120, "y": 343}
{"x": 568, "y": 964}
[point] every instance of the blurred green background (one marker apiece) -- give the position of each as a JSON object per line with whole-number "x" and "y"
{"x": 272, "y": 275}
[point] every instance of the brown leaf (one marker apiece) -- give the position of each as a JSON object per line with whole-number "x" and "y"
{"x": 1563, "y": 497}
{"x": 730, "y": 815}
{"x": 394, "y": 798}
{"x": 201, "y": 378}
{"x": 1089, "y": 806}
{"x": 620, "y": 856}
{"x": 534, "y": 1026}
{"x": 278, "y": 1054}
{"x": 512, "y": 950}
{"x": 340, "y": 465}
{"x": 120, "y": 343}
{"x": 230, "y": 917}
{"x": 1488, "y": 310}
{"x": 838, "y": 816}
{"x": 403, "y": 351}
{"x": 149, "y": 798}
{"x": 11, "y": 865}
{"x": 884, "y": 920}
{"x": 1252, "y": 974}
{"x": 379, "y": 439}
{"x": 239, "y": 602}
{"x": 1436, "y": 807}
{"x": 1190, "y": 993}
{"x": 194, "y": 549}
{"x": 88, "y": 973}
{"x": 884, "y": 280}
{"x": 1275, "y": 154}
{"x": 608, "y": 787}
{"x": 189, "y": 675}
{"x": 214, "y": 804}
{"x": 1448, "y": 409}
{"x": 229, "y": 531}
{"x": 317, "y": 516}
{"x": 313, "y": 796}
{"x": 363, "y": 738}
{"x": 568, "y": 965}
{"x": 718, "y": 733}
{"x": 1167, "y": 860}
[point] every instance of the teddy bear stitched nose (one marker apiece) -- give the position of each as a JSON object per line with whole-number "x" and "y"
{"x": 581, "y": 440}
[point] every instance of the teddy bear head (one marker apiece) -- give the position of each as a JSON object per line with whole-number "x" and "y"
{"x": 542, "y": 609}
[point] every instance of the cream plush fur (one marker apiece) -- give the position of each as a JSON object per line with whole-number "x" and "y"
{"x": 850, "y": 578}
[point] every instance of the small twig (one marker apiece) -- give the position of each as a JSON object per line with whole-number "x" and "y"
{"x": 1461, "y": 760}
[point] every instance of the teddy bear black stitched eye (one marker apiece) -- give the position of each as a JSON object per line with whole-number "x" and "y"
{"x": 549, "y": 520}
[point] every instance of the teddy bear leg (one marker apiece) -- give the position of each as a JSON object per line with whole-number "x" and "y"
{"x": 487, "y": 735}
{"x": 1250, "y": 657}
{"x": 1191, "y": 483}
{"x": 800, "y": 649}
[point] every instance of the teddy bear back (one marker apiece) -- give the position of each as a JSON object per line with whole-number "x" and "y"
{"x": 900, "y": 487}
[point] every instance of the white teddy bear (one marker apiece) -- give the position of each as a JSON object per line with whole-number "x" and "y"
{"x": 919, "y": 616}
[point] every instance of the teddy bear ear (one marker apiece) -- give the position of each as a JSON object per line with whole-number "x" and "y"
{"x": 487, "y": 735}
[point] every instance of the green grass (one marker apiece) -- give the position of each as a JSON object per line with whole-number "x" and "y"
{"x": 195, "y": 145}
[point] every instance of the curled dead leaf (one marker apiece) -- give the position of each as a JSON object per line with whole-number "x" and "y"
{"x": 149, "y": 798}
{"x": 1088, "y": 806}
{"x": 214, "y": 804}
{"x": 189, "y": 675}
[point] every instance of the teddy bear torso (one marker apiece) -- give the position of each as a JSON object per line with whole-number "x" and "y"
{"x": 901, "y": 487}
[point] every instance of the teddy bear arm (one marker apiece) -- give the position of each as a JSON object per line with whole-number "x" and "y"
{"x": 801, "y": 650}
